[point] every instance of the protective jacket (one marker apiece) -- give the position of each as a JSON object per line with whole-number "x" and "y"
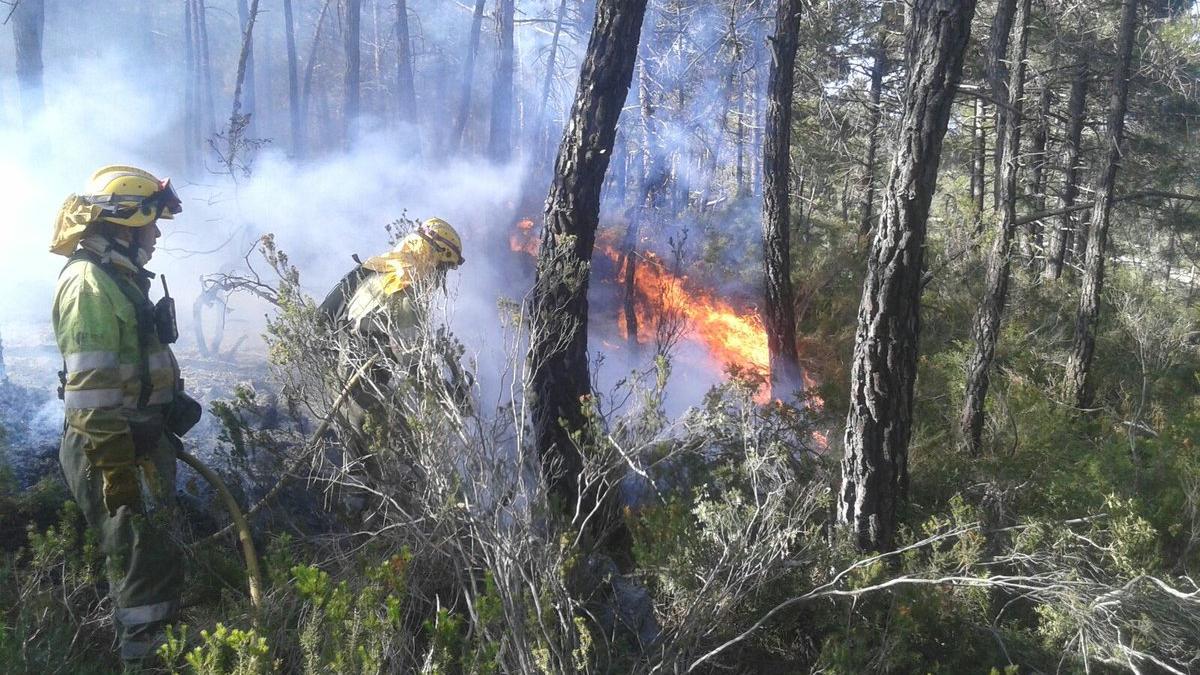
{"x": 366, "y": 320}
{"x": 118, "y": 383}
{"x": 118, "y": 375}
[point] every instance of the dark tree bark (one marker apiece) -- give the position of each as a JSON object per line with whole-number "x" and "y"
{"x": 243, "y": 90}
{"x": 558, "y": 355}
{"x": 1060, "y": 237}
{"x": 985, "y": 329}
{"x": 779, "y": 305}
{"x": 406, "y": 91}
{"x": 297, "y": 123}
{"x": 1083, "y": 347}
{"x": 246, "y": 18}
{"x": 997, "y": 75}
{"x": 353, "y": 37}
{"x": 879, "y": 67}
{"x": 29, "y": 21}
{"x": 884, "y": 366}
{"x": 464, "y": 106}
{"x": 500, "y": 138}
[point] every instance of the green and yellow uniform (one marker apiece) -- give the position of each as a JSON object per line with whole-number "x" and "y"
{"x": 118, "y": 383}
{"x": 380, "y": 308}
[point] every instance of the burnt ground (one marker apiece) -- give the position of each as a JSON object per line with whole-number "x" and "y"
{"x": 32, "y": 488}
{"x": 31, "y": 414}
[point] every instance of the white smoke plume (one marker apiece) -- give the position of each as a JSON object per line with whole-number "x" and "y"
{"x": 114, "y": 84}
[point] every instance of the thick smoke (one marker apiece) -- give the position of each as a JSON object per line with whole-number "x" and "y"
{"x": 122, "y": 101}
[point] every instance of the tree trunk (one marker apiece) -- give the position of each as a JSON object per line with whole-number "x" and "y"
{"x": 756, "y": 178}
{"x": 985, "y": 329}
{"x": 616, "y": 189}
{"x": 997, "y": 74}
{"x": 1083, "y": 347}
{"x": 779, "y": 303}
{"x": 561, "y": 383}
{"x": 353, "y": 37}
{"x": 725, "y": 105}
{"x": 500, "y": 138}
{"x": 208, "y": 111}
{"x": 264, "y": 117}
{"x": 1034, "y": 232}
{"x": 246, "y": 20}
{"x": 464, "y": 106}
{"x": 310, "y": 66}
{"x": 740, "y": 141}
{"x": 406, "y": 92}
{"x": 380, "y": 106}
{"x": 879, "y": 66}
{"x": 191, "y": 125}
{"x": 1061, "y": 236}
{"x": 629, "y": 281}
{"x": 244, "y": 81}
{"x": 294, "y": 81}
{"x": 884, "y": 367}
{"x": 551, "y": 63}
{"x": 979, "y": 161}
{"x": 29, "y": 21}
{"x": 653, "y": 184}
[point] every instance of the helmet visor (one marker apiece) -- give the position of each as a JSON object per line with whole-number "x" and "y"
{"x": 166, "y": 198}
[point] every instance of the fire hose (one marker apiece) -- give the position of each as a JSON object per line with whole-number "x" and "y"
{"x": 239, "y": 519}
{"x": 253, "y": 570}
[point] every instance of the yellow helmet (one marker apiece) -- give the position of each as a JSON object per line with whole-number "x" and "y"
{"x": 132, "y": 197}
{"x": 435, "y": 244}
{"x": 446, "y": 243}
{"x": 123, "y": 195}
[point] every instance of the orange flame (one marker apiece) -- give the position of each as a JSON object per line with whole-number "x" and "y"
{"x": 731, "y": 337}
{"x": 524, "y": 239}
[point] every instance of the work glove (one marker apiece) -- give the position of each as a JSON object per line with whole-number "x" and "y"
{"x": 121, "y": 488}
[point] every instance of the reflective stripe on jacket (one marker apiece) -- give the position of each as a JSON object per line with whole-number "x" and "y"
{"x": 96, "y": 327}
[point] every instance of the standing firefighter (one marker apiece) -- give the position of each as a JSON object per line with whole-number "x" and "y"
{"x": 379, "y": 309}
{"x": 124, "y": 400}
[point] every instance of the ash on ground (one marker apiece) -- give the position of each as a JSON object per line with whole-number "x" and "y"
{"x": 31, "y": 414}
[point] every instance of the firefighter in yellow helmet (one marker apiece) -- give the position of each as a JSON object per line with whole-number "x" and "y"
{"x": 122, "y": 394}
{"x": 379, "y": 307}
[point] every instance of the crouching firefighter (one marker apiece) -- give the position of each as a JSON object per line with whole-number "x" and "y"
{"x": 123, "y": 397}
{"x": 380, "y": 309}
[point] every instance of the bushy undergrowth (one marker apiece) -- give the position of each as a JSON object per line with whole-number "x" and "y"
{"x": 1068, "y": 544}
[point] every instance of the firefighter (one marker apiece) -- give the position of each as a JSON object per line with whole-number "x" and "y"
{"x": 122, "y": 394}
{"x": 378, "y": 308}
